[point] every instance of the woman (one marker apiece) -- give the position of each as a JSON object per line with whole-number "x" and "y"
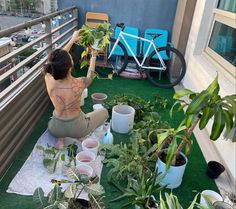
{"x": 65, "y": 92}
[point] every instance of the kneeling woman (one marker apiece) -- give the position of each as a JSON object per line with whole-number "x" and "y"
{"x": 65, "y": 92}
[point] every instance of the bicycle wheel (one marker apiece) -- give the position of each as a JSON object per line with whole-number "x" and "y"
{"x": 175, "y": 67}
{"x": 117, "y": 61}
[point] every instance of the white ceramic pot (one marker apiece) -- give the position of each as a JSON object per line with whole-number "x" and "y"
{"x": 211, "y": 195}
{"x": 85, "y": 158}
{"x": 174, "y": 175}
{"x": 85, "y": 170}
{"x": 91, "y": 144}
{"x": 95, "y": 45}
{"x": 122, "y": 118}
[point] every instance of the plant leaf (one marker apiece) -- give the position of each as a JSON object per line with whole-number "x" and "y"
{"x": 228, "y": 122}
{"x": 38, "y": 196}
{"x": 218, "y": 125}
{"x": 94, "y": 189}
{"x": 207, "y": 113}
{"x": 62, "y": 205}
{"x": 198, "y": 103}
{"x": 70, "y": 191}
{"x": 171, "y": 154}
{"x": 182, "y": 92}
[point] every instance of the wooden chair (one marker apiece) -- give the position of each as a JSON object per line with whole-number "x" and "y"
{"x": 93, "y": 19}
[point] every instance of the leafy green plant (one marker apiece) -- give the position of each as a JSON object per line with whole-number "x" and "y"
{"x": 206, "y": 105}
{"x": 88, "y": 35}
{"x": 202, "y": 107}
{"x": 51, "y": 157}
{"x": 57, "y": 199}
{"x": 127, "y": 160}
{"x": 141, "y": 190}
{"x": 141, "y": 106}
{"x": 171, "y": 202}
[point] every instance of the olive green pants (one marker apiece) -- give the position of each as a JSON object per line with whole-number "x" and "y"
{"x": 77, "y": 127}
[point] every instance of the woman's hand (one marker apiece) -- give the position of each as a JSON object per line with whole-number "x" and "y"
{"x": 94, "y": 52}
{"x": 75, "y": 37}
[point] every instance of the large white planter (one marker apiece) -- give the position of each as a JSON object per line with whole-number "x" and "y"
{"x": 174, "y": 175}
{"x": 211, "y": 195}
{"x": 122, "y": 118}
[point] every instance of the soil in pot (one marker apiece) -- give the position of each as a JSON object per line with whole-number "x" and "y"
{"x": 180, "y": 160}
{"x": 79, "y": 203}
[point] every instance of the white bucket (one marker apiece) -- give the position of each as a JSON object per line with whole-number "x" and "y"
{"x": 122, "y": 118}
{"x": 174, "y": 175}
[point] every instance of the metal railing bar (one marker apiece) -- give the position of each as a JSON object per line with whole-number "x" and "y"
{"x": 21, "y": 49}
{"x": 8, "y": 94}
{"x": 34, "y": 22}
{"x": 63, "y": 25}
{"x": 31, "y": 57}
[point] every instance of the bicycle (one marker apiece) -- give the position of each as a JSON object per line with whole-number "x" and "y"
{"x": 165, "y": 67}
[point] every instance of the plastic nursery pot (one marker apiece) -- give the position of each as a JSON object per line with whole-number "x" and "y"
{"x": 214, "y": 169}
{"x": 90, "y": 144}
{"x": 98, "y": 98}
{"x": 211, "y": 195}
{"x": 85, "y": 158}
{"x": 122, "y": 118}
{"x": 85, "y": 170}
{"x": 222, "y": 205}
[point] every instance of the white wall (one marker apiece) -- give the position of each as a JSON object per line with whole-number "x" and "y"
{"x": 201, "y": 71}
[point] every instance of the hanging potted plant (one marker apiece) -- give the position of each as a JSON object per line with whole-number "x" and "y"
{"x": 203, "y": 106}
{"x": 97, "y": 37}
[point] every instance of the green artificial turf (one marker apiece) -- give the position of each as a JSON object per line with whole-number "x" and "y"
{"x": 194, "y": 180}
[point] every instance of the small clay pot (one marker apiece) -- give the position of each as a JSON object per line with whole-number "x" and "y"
{"x": 98, "y": 98}
{"x": 214, "y": 169}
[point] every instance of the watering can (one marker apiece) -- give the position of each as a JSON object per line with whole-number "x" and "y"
{"x": 108, "y": 137}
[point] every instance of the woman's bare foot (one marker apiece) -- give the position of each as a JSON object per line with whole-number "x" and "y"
{"x": 60, "y": 143}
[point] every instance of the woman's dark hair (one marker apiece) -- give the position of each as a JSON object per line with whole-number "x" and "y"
{"x": 58, "y": 64}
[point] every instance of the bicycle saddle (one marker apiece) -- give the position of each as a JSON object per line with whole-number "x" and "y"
{"x": 154, "y": 35}
{"x": 120, "y": 25}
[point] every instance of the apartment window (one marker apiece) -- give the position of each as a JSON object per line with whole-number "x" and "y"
{"x": 222, "y": 41}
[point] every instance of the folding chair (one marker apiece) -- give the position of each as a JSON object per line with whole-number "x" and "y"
{"x": 160, "y": 41}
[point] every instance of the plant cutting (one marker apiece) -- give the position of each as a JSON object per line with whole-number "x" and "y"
{"x": 140, "y": 192}
{"x": 202, "y": 107}
{"x": 97, "y": 37}
{"x": 70, "y": 198}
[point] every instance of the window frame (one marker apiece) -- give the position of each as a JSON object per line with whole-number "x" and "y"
{"x": 227, "y": 18}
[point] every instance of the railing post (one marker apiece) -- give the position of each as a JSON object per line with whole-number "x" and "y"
{"x": 75, "y": 14}
{"x": 48, "y": 29}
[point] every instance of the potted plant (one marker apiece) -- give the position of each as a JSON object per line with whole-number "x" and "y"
{"x": 172, "y": 202}
{"x": 140, "y": 192}
{"x": 202, "y": 107}
{"x": 70, "y": 198}
{"x": 97, "y": 37}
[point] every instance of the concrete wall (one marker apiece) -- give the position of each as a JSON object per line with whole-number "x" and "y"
{"x": 138, "y": 13}
{"x": 201, "y": 71}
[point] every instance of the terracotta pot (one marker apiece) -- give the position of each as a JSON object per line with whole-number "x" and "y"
{"x": 98, "y": 98}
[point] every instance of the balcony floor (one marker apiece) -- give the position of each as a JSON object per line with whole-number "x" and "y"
{"x": 195, "y": 179}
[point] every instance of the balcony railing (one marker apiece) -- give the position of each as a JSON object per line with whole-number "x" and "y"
{"x": 24, "y": 101}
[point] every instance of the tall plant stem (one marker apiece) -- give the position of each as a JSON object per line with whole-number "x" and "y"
{"x": 186, "y": 139}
